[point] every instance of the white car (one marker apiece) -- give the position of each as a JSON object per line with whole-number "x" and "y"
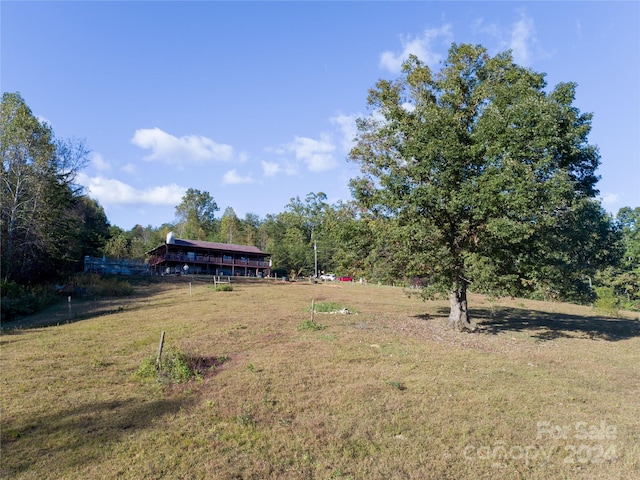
{"x": 328, "y": 276}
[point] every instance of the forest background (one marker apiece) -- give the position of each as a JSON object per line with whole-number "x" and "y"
{"x": 49, "y": 225}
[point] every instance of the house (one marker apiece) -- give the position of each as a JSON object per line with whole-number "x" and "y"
{"x": 178, "y": 256}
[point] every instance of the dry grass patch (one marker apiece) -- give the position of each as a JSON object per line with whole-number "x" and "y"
{"x": 387, "y": 393}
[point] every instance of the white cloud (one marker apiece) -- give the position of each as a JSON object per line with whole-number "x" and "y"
{"x": 490, "y": 29}
{"x": 270, "y": 169}
{"x": 317, "y": 154}
{"x": 420, "y": 46}
{"x": 290, "y": 167}
{"x": 99, "y": 163}
{"x": 277, "y": 150}
{"x": 283, "y": 165}
{"x": 242, "y": 157}
{"x": 522, "y": 39}
{"x": 232, "y": 178}
{"x": 43, "y": 120}
{"x": 409, "y": 107}
{"x": 130, "y": 168}
{"x": 609, "y": 199}
{"x": 348, "y": 129}
{"x": 187, "y": 149}
{"x": 109, "y": 191}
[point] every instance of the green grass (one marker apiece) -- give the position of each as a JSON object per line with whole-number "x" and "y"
{"x": 224, "y": 287}
{"x": 543, "y": 390}
{"x": 310, "y": 325}
{"x": 331, "y": 307}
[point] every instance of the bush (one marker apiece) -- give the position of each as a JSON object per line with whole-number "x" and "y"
{"x": 310, "y": 325}
{"x": 175, "y": 366}
{"x": 606, "y": 302}
{"x": 178, "y": 366}
{"x": 96, "y": 285}
{"x": 224, "y": 287}
{"x": 18, "y": 301}
{"x": 147, "y": 370}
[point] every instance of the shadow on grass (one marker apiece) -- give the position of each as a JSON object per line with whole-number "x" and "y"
{"x": 549, "y": 326}
{"x": 63, "y": 312}
{"x": 75, "y": 437}
{"x": 85, "y": 307}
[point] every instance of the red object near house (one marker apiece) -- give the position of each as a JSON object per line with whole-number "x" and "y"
{"x": 344, "y": 279}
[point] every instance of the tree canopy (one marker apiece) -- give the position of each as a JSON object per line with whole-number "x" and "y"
{"x": 47, "y": 222}
{"x": 196, "y": 214}
{"x": 487, "y": 175}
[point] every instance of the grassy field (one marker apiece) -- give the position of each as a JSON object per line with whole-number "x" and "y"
{"x": 543, "y": 390}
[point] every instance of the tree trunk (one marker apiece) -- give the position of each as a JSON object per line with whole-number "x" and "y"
{"x": 459, "y": 315}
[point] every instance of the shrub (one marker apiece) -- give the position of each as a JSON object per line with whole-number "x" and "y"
{"x": 174, "y": 367}
{"x": 178, "y": 366}
{"x": 224, "y": 287}
{"x": 147, "y": 370}
{"x": 606, "y": 302}
{"x": 18, "y": 301}
{"x": 99, "y": 286}
{"x": 310, "y": 325}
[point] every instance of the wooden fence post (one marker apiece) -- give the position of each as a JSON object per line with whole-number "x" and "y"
{"x": 313, "y": 309}
{"x": 160, "y": 350}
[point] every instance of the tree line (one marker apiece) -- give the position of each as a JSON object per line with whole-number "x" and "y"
{"x": 473, "y": 178}
{"x": 48, "y": 223}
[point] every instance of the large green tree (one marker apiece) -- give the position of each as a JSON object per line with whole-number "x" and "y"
{"x": 486, "y": 175}
{"x": 27, "y": 148}
{"x": 624, "y": 277}
{"x": 308, "y": 237}
{"x": 45, "y": 218}
{"x": 196, "y": 215}
{"x": 629, "y": 220}
{"x": 230, "y": 227}
{"x": 251, "y": 227}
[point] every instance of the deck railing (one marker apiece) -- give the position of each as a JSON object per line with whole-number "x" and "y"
{"x": 207, "y": 259}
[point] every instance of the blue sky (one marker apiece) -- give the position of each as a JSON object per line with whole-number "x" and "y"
{"x": 255, "y": 102}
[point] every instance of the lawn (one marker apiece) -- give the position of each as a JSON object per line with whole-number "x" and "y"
{"x": 385, "y": 391}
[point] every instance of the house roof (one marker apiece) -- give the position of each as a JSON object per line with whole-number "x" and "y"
{"x": 227, "y": 247}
